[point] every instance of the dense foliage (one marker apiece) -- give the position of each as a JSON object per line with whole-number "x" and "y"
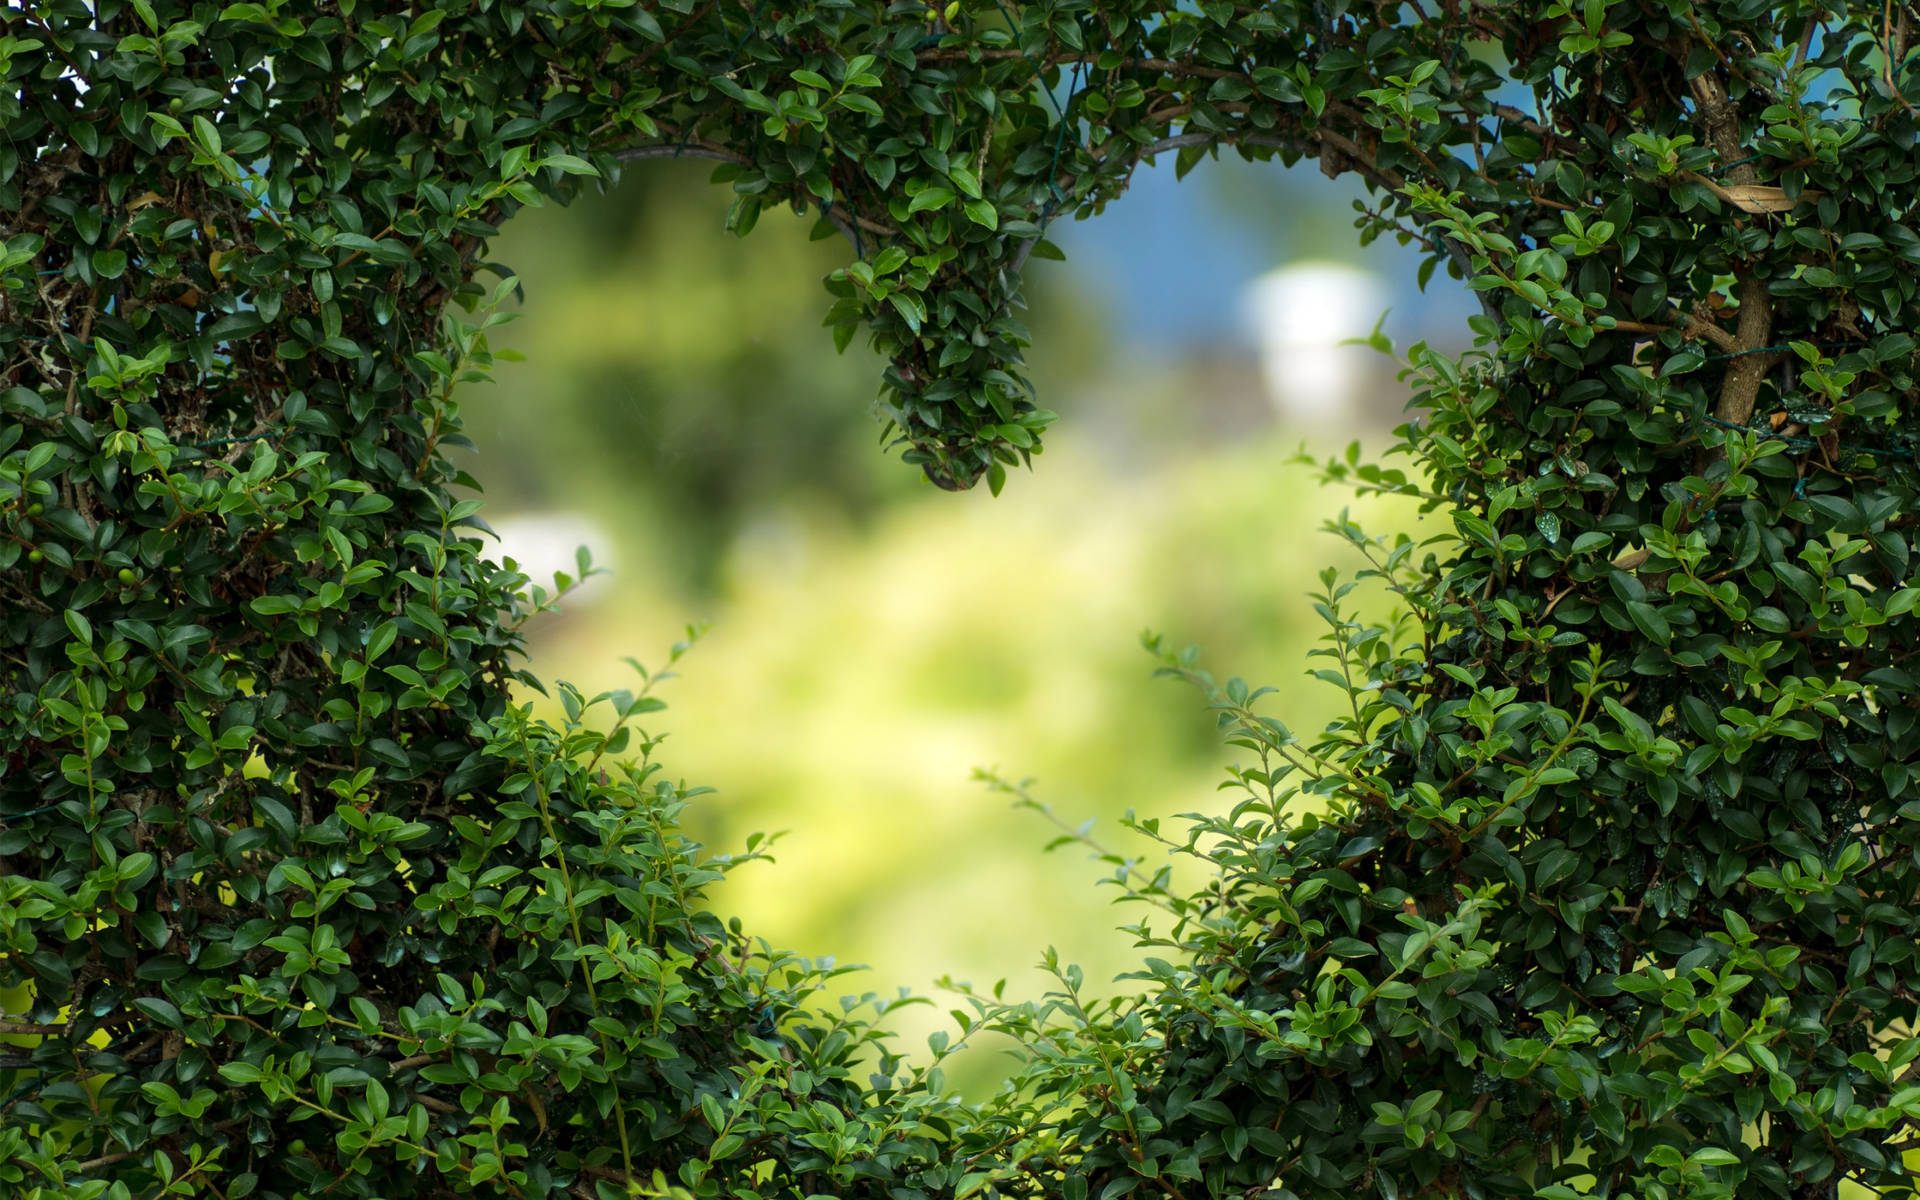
{"x": 1607, "y": 885}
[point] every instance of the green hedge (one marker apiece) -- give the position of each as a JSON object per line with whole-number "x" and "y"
{"x": 1606, "y": 885}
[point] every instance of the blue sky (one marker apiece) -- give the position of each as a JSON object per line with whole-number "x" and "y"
{"x": 1169, "y": 258}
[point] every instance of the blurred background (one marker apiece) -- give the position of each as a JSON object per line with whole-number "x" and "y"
{"x": 680, "y": 410}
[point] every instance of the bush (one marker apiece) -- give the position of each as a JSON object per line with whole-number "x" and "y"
{"x": 1605, "y": 886}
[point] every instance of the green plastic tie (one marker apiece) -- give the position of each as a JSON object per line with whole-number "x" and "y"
{"x": 1778, "y": 349}
{"x": 1055, "y": 195}
{"x": 1806, "y": 443}
{"x": 32, "y": 812}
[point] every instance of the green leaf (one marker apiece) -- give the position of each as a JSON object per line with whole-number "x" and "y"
{"x": 1649, "y": 621}
{"x": 931, "y": 197}
{"x": 569, "y": 164}
{"x": 910, "y": 308}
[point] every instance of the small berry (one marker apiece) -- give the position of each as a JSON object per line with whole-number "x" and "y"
{"x": 128, "y": 577}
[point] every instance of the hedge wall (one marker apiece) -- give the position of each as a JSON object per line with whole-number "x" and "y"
{"x": 1605, "y": 887}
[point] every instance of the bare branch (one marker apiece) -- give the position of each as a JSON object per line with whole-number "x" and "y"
{"x": 1741, "y": 385}
{"x": 23, "y": 1027}
{"x": 682, "y": 150}
{"x": 1689, "y": 323}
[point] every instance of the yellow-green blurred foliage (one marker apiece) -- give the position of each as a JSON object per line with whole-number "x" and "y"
{"x": 875, "y": 639}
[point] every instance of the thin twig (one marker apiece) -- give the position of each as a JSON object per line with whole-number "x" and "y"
{"x": 1889, "y": 54}
{"x": 1690, "y": 323}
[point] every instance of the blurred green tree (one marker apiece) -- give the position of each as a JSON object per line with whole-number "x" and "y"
{"x": 674, "y": 373}
{"x": 671, "y": 373}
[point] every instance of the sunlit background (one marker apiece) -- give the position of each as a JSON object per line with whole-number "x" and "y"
{"x": 681, "y": 411}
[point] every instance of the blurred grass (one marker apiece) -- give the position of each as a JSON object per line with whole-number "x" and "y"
{"x": 874, "y": 639}
{"x": 851, "y": 683}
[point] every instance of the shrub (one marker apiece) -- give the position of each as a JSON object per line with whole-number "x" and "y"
{"x": 1605, "y": 886}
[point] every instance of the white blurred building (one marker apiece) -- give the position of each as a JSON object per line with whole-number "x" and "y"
{"x": 1300, "y": 313}
{"x": 542, "y": 543}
